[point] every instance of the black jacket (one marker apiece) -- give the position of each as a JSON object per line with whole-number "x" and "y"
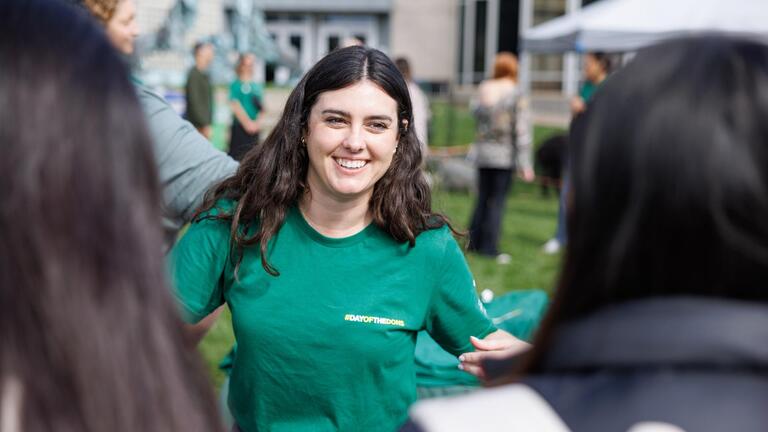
{"x": 701, "y": 364}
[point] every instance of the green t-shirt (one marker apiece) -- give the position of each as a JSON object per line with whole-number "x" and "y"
{"x": 244, "y": 92}
{"x": 588, "y": 90}
{"x": 329, "y": 344}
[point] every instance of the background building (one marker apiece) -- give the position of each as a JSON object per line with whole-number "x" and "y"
{"x": 306, "y": 30}
{"x": 447, "y": 41}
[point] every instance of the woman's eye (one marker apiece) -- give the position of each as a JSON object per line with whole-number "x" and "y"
{"x": 379, "y": 126}
{"x": 335, "y": 121}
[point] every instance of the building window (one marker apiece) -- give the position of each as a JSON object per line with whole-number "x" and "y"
{"x": 295, "y": 41}
{"x": 462, "y": 9}
{"x": 478, "y": 62}
{"x": 269, "y": 73}
{"x": 361, "y": 38}
{"x": 509, "y": 21}
{"x": 545, "y": 10}
{"x": 333, "y": 43}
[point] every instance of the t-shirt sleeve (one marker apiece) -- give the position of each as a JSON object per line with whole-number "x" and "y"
{"x": 456, "y": 312}
{"x": 198, "y": 262}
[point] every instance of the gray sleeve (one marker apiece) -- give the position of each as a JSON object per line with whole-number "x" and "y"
{"x": 188, "y": 164}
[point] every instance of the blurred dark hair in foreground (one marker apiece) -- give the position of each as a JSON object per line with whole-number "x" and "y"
{"x": 670, "y": 182}
{"x": 90, "y": 336}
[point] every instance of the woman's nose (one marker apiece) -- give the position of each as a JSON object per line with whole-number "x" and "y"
{"x": 354, "y": 141}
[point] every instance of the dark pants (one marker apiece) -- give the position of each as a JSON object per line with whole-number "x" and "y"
{"x": 240, "y": 141}
{"x": 493, "y": 185}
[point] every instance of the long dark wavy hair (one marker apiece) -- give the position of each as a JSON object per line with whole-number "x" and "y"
{"x": 670, "y": 183}
{"x": 272, "y": 176}
{"x": 89, "y": 330}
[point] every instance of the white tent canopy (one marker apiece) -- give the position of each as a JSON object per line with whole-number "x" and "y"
{"x": 625, "y": 25}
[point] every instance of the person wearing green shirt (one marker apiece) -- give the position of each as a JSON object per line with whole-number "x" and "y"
{"x": 245, "y": 100}
{"x": 596, "y": 68}
{"x": 326, "y": 249}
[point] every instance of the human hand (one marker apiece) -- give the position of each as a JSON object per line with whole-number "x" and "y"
{"x": 527, "y": 174}
{"x": 496, "y": 345}
{"x": 250, "y": 127}
{"x": 577, "y": 105}
{"x": 206, "y": 131}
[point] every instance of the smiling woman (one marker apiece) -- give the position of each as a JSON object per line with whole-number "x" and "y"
{"x": 326, "y": 249}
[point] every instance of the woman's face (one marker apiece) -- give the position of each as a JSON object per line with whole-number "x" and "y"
{"x": 122, "y": 29}
{"x": 245, "y": 71}
{"x": 351, "y": 140}
{"x": 592, "y": 68}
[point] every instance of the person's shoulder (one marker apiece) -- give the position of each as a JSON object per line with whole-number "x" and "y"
{"x": 221, "y": 208}
{"x": 195, "y": 74}
{"x": 234, "y": 87}
{"x": 150, "y": 100}
{"x": 435, "y": 239}
{"x": 142, "y": 90}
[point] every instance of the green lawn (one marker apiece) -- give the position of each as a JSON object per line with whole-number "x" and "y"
{"x": 529, "y": 221}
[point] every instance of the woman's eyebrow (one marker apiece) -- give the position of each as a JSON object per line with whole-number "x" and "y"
{"x": 380, "y": 117}
{"x": 348, "y": 115}
{"x": 337, "y": 112}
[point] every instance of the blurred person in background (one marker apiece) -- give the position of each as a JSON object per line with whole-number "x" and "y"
{"x": 661, "y": 310}
{"x": 596, "y": 68}
{"x": 420, "y": 102}
{"x": 91, "y": 339}
{"x": 502, "y": 146}
{"x": 199, "y": 91}
{"x": 187, "y": 163}
{"x": 245, "y": 100}
{"x": 326, "y": 249}
{"x": 597, "y": 65}
{"x": 119, "y": 20}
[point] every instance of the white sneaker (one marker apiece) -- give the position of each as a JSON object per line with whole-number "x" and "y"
{"x": 503, "y": 259}
{"x": 551, "y": 247}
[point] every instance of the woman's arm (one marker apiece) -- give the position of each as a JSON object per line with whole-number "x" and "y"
{"x": 198, "y": 262}
{"x": 524, "y": 139}
{"x": 196, "y": 332}
{"x": 499, "y": 344}
{"x": 249, "y": 125}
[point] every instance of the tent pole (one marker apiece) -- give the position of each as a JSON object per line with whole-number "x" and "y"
{"x": 571, "y": 60}
{"x": 524, "y": 69}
